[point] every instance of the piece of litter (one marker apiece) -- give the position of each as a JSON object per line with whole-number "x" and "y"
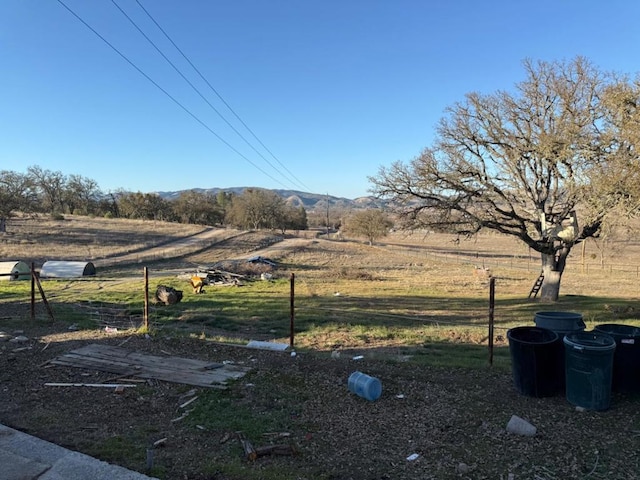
{"x": 358, "y": 357}
{"x": 335, "y": 354}
{"x": 400, "y": 395}
{"x": 249, "y": 385}
{"x": 293, "y": 354}
{"x": 337, "y": 294}
{"x": 268, "y": 345}
{"x": 412, "y": 457}
{"x": 227, "y": 362}
{"x": 581, "y": 409}
{"x": 110, "y": 329}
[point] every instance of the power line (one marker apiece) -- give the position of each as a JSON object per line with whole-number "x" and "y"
{"x": 192, "y": 115}
{"x": 220, "y": 96}
{"x": 192, "y": 85}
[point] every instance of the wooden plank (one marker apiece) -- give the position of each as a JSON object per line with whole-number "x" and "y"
{"x": 172, "y": 369}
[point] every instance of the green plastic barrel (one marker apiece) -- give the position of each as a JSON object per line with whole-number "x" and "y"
{"x": 589, "y": 369}
{"x": 626, "y": 360}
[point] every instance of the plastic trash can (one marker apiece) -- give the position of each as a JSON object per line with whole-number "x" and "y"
{"x": 589, "y": 369}
{"x": 534, "y": 361}
{"x": 562, "y": 323}
{"x": 626, "y": 360}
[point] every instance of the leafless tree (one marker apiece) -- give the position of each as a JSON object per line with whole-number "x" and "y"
{"x": 546, "y": 163}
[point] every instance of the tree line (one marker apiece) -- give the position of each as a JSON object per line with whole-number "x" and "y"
{"x": 52, "y": 192}
{"x": 41, "y": 191}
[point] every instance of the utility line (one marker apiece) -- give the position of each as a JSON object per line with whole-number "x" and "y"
{"x": 192, "y": 115}
{"x": 220, "y": 96}
{"x": 195, "y": 89}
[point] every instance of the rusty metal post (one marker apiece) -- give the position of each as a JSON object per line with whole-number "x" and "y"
{"x": 33, "y": 291}
{"x": 492, "y": 295}
{"x": 292, "y": 310}
{"x": 146, "y": 299}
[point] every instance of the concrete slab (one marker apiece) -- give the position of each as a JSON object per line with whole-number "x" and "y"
{"x": 24, "y": 457}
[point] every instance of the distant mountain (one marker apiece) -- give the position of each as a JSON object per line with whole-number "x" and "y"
{"x": 310, "y": 201}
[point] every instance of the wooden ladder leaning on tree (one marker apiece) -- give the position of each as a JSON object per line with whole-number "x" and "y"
{"x": 536, "y": 286}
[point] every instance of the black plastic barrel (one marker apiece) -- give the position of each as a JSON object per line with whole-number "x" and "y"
{"x": 589, "y": 369}
{"x": 626, "y": 360}
{"x": 533, "y": 361}
{"x": 562, "y": 323}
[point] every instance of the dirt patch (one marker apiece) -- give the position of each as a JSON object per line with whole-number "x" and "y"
{"x": 454, "y": 420}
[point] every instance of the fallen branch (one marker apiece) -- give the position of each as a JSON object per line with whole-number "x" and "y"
{"x": 282, "y": 449}
{"x": 249, "y": 451}
{"x": 188, "y": 402}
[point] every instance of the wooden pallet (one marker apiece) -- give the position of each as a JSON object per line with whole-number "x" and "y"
{"x": 125, "y": 362}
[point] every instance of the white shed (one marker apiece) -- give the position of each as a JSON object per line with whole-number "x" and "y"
{"x": 65, "y": 269}
{"x": 14, "y": 270}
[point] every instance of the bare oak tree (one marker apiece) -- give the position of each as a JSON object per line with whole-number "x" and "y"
{"x": 371, "y": 224}
{"x": 545, "y": 164}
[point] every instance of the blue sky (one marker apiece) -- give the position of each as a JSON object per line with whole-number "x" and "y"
{"x": 334, "y": 89}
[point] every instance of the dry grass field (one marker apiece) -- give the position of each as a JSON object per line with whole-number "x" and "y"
{"x": 415, "y": 307}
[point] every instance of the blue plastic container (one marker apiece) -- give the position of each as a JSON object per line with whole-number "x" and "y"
{"x": 365, "y": 386}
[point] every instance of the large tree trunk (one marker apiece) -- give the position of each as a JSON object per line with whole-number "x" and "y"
{"x": 552, "y": 269}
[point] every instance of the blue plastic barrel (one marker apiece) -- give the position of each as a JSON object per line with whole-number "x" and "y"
{"x": 365, "y": 386}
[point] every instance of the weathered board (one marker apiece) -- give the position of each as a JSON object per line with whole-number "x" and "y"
{"x": 125, "y": 362}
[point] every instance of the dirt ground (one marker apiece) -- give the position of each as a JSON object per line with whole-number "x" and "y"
{"x": 454, "y": 420}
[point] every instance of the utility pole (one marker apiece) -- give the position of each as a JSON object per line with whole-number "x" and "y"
{"x": 327, "y": 215}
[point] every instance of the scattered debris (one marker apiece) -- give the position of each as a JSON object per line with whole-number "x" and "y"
{"x": 358, "y": 357}
{"x": 161, "y": 442}
{"x": 73, "y": 327}
{"x": 520, "y": 426}
{"x": 181, "y": 417}
{"x": 267, "y": 345}
{"x": 252, "y": 453}
{"x": 412, "y": 457}
{"x": 110, "y": 329}
{"x": 188, "y": 402}
{"x": 249, "y": 451}
{"x": 265, "y": 261}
